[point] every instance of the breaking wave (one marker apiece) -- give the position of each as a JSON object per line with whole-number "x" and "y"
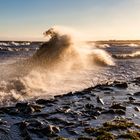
{"x": 133, "y": 45}
{"x": 63, "y": 49}
{"x": 128, "y": 56}
{"x": 59, "y": 65}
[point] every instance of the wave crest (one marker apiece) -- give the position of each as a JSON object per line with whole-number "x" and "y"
{"x": 128, "y": 56}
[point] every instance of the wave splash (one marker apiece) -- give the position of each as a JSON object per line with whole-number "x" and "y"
{"x": 66, "y": 49}
{"x": 59, "y": 65}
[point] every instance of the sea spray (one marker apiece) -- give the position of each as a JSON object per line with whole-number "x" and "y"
{"x": 64, "y": 63}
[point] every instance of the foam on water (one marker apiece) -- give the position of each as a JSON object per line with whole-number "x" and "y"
{"x": 64, "y": 63}
{"x": 128, "y": 56}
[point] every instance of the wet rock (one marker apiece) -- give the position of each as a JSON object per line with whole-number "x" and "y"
{"x": 137, "y": 109}
{"x": 103, "y": 87}
{"x": 72, "y": 132}
{"x": 14, "y": 112}
{"x": 61, "y": 138}
{"x": 2, "y": 122}
{"x": 50, "y": 130}
{"x": 85, "y": 138}
{"x": 45, "y": 102}
{"x": 99, "y": 100}
{"x": 137, "y": 94}
{"x": 118, "y": 106}
{"x": 136, "y": 103}
{"x": 131, "y": 99}
{"x": 94, "y": 117}
{"x": 96, "y": 113}
{"x": 28, "y": 108}
{"x": 89, "y": 106}
{"x": 106, "y": 136}
{"x": 118, "y": 124}
{"x": 99, "y": 108}
{"x": 68, "y": 94}
{"x": 60, "y": 121}
{"x": 114, "y": 111}
{"x": 90, "y": 130}
{"x": 24, "y": 132}
{"x": 120, "y": 84}
{"x": 58, "y": 96}
{"x": 36, "y": 123}
{"x": 131, "y": 134}
{"x": 110, "y": 111}
{"x": 136, "y": 80}
{"x": 120, "y": 111}
{"x": 22, "y": 105}
{"x": 106, "y": 92}
{"x": 43, "y": 129}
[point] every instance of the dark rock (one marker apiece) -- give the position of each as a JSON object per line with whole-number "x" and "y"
{"x": 110, "y": 111}
{"x": 137, "y": 94}
{"x": 61, "y": 138}
{"x": 118, "y": 124}
{"x": 118, "y": 106}
{"x": 58, "y": 96}
{"x": 120, "y": 84}
{"x": 60, "y": 121}
{"x": 22, "y": 105}
{"x": 90, "y": 130}
{"x": 106, "y": 136}
{"x": 50, "y": 130}
{"x": 67, "y": 95}
{"x": 136, "y": 103}
{"x": 72, "y": 132}
{"x": 120, "y": 111}
{"x": 99, "y": 100}
{"x": 114, "y": 111}
{"x": 44, "y": 101}
{"x": 131, "y": 99}
{"x": 24, "y": 132}
{"x": 95, "y": 113}
{"x": 2, "y": 122}
{"x": 137, "y": 109}
{"x": 85, "y": 138}
{"x": 94, "y": 117}
{"x": 100, "y": 108}
{"x": 89, "y": 106}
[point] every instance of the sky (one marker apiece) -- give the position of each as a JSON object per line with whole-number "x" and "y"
{"x": 101, "y": 19}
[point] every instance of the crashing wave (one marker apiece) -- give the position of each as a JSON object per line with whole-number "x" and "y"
{"x": 128, "y": 56}
{"x": 60, "y": 65}
{"x": 4, "y": 44}
{"x": 64, "y": 50}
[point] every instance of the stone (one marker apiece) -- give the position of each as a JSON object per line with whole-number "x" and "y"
{"x": 118, "y": 106}
{"x": 99, "y": 100}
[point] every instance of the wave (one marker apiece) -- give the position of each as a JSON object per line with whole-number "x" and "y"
{"x": 60, "y": 65}
{"x": 64, "y": 49}
{"x": 133, "y": 45}
{"x": 103, "y": 46}
{"x": 128, "y": 56}
{"x": 14, "y": 43}
{"x": 12, "y": 49}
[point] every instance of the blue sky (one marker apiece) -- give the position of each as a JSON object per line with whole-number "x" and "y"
{"x": 102, "y": 19}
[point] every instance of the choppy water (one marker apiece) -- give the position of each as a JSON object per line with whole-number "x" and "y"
{"x": 126, "y": 58}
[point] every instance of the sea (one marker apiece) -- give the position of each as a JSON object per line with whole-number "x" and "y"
{"x": 112, "y": 62}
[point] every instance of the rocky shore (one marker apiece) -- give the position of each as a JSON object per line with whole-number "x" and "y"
{"x": 110, "y": 111}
